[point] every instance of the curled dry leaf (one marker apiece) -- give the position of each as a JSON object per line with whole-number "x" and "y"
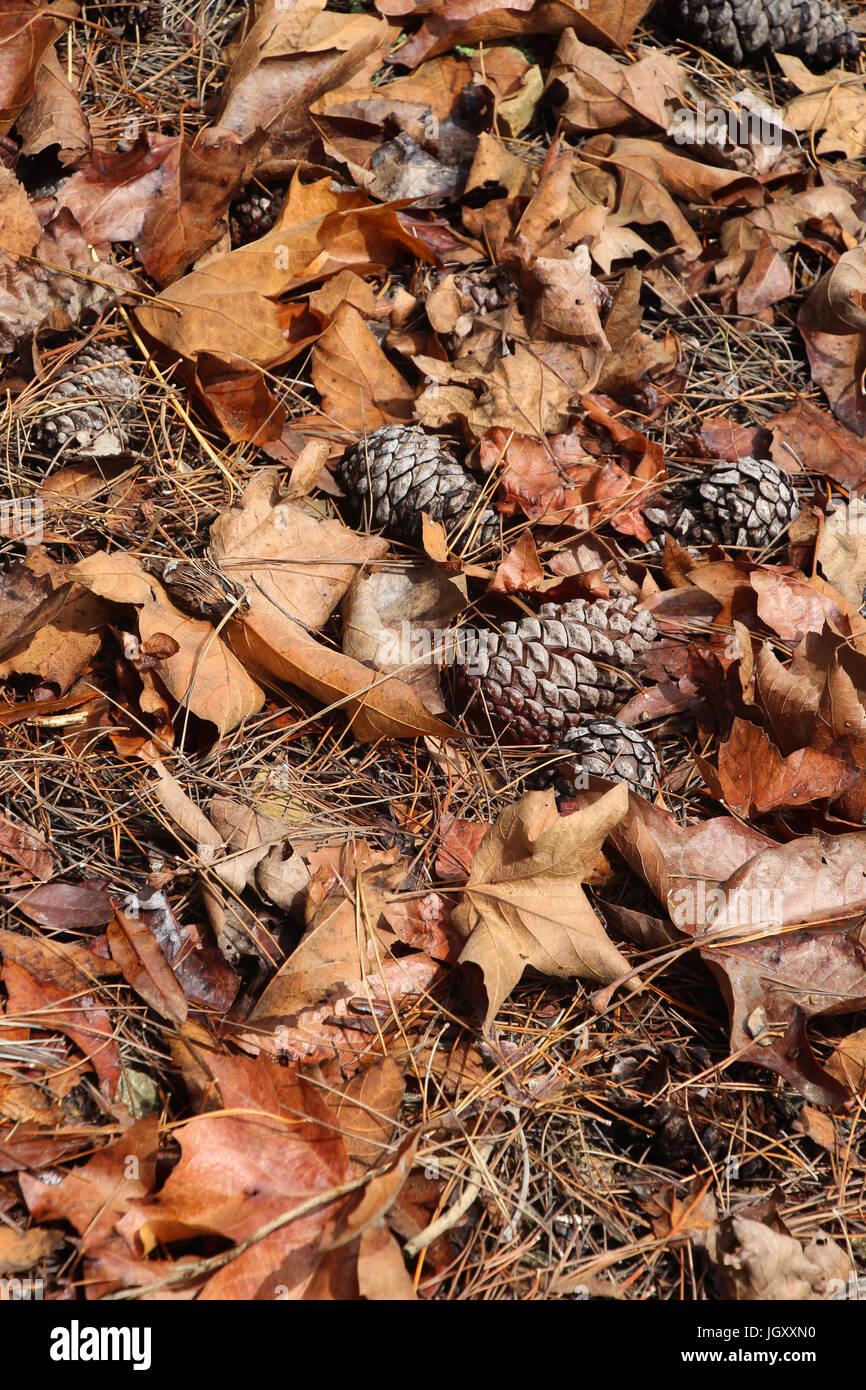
{"x": 286, "y": 556}
{"x": 831, "y": 102}
{"x": 287, "y": 60}
{"x": 610, "y": 23}
{"x": 202, "y": 673}
{"x": 234, "y": 307}
{"x": 167, "y": 195}
{"x": 596, "y": 91}
{"x": 63, "y": 981}
{"x": 274, "y": 1148}
{"x": 558, "y": 482}
{"x": 522, "y": 904}
{"x": 807, "y": 436}
{"x": 343, "y": 912}
{"x": 360, "y": 388}
{"x": 23, "y": 1250}
{"x": 53, "y": 116}
{"x": 739, "y": 894}
{"x": 65, "y": 906}
{"x": 27, "y": 33}
{"x": 256, "y": 842}
{"x": 98, "y": 1193}
{"x": 753, "y": 777}
{"x": 459, "y": 842}
{"x": 269, "y": 545}
{"x": 400, "y": 623}
{"x": 833, "y": 326}
{"x": 57, "y": 286}
{"x": 134, "y": 947}
{"x": 58, "y": 639}
{"x": 841, "y": 550}
{"x": 757, "y": 1261}
{"x": 521, "y": 569}
{"x": 349, "y": 1022}
{"x": 820, "y": 702}
{"x": 367, "y": 1109}
{"x": 26, "y": 849}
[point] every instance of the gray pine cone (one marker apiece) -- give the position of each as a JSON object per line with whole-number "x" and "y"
{"x": 255, "y": 213}
{"x": 740, "y": 30}
{"x": 89, "y": 407}
{"x": 536, "y": 679}
{"x": 399, "y": 472}
{"x": 747, "y": 503}
{"x": 605, "y": 748}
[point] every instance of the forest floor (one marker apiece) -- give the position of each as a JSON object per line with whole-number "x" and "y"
{"x": 268, "y": 890}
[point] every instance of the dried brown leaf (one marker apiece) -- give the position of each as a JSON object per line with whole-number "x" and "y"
{"x": 523, "y": 905}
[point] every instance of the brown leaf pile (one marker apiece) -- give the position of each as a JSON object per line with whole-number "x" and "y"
{"x": 311, "y": 989}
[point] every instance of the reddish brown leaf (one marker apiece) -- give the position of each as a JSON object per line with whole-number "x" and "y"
{"x": 755, "y": 778}
{"x": 809, "y": 436}
{"x": 27, "y": 32}
{"x": 65, "y": 906}
{"x": 144, "y": 966}
{"x": 166, "y": 195}
{"x": 459, "y": 842}
{"x": 93, "y": 1197}
{"x": 468, "y": 22}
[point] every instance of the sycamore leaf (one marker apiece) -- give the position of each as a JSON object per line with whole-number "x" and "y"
{"x": 754, "y": 778}
{"x": 523, "y": 905}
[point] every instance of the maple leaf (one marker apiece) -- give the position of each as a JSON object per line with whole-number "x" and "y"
{"x": 753, "y": 777}
{"x": 523, "y": 906}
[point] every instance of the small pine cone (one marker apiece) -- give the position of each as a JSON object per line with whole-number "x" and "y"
{"x": 125, "y": 18}
{"x": 200, "y": 588}
{"x": 536, "y": 679}
{"x": 89, "y": 407}
{"x": 255, "y": 214}
{"x": 398, "y": 473}
{"x": 747, "y": 503}
{"x": 488, "y": 289}
{"x": 605, "y": 748}
{"x": 739, "y": 30}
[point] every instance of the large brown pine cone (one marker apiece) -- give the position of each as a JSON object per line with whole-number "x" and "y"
{"x": 604, "y": 748}
{"x": 739, "y": 30}
{"x": 747, "y": 503}
{"x": 398, "y": 473}
{"x": 534, "y": 680}
{"x": 90, "y": 406}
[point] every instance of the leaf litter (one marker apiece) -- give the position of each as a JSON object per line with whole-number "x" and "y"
{"x": 370, "y": 1002}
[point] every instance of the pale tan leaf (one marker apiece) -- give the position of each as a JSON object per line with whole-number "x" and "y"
{"x": 202, "y": 673}
{"x": 523, "y": 903}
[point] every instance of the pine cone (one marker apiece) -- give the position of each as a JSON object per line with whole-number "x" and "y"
{"x": 255, "y": 213}
{"x": 739, "y": 30}
{"x": 89, "y": 406}
{"x": 488, "y": 290}
{"x": 200, "y": 588}
{"x": 536, "y": 679}
{"x": 141, "y": 15}
{"x": 398, "y": 472}
{"x": 747, "y": 503}
{"x": 605, "y": 748}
